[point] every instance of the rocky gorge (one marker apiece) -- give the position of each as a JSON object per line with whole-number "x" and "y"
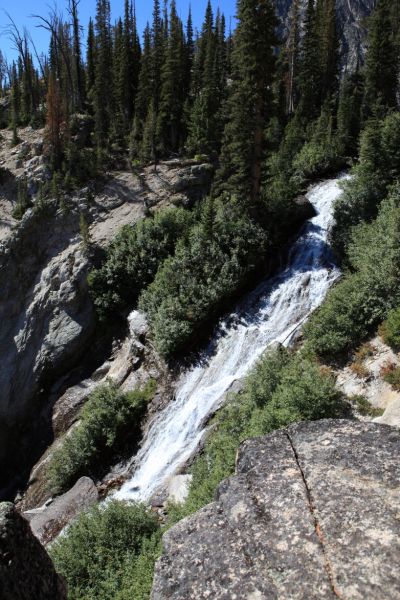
{"x": 48, "y": 321}
{"x": 47, "y": 317}
{"x": 200, "y": 357}
{"x": 52, "y": 372}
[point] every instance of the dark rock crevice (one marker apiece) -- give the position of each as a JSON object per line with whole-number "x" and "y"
{"x": 318, "y": 529}
{"x": 315, "y": 507}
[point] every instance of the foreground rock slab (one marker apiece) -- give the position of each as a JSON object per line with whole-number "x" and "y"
{"x": 26, "y": 571}
{"x": 312, "y": 512}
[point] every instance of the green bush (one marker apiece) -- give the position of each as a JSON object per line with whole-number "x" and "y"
{"x": 208, "y": 267}
{"x": 317, "y": 159}
{"x": 109, "y": 553}
{"x": 306, "y": 152}
{"x": 378, "y": 168}
{"x": 282, "y": 389}
{"x": 337, "y": 326}
{"x": 321, "y": 154}
{"x": 390, "y": 329}
{"x": 392, "y": 377}
{"x": 365, "y": 408}
{"x": 358, "y": 203}
{"x": 108, "y": 416}
{"x": 138, "y": 573}
{"x": 133, "y": 259}
{"x": 363, "y": 298}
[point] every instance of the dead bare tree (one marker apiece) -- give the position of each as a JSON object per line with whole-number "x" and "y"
{"x": 73, "y": 11}
{"x": 20, "y": 41}
{"x": 41, "y": 62}
{"x": 54, "y": 24}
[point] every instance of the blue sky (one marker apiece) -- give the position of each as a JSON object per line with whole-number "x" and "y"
{"x": 20, "y": 10}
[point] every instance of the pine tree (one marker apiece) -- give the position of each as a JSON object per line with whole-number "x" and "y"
{"x": 329, "y": 44}
{"x": 15, "y": 96}
{"x": 90, "y": 64}
{"x": 119, "y": 118}
{"x": 220, "y": 80}
{"x": 206, "y": 40}
{"x": 310, "y": 67}
{"x": 189, "y": 54}
{"x": 381, "y": 69}
{"x": 253, "y": 61}
{"x": 209, "y": 87}
{"x": 143, "y": 95}
{"x": 79, "y": 83}
{"x": 292, "y": 56}
{"x": 148, "y": 145}
{"x": 136, "y": 53}
{"x": 54, "y": 124}
{"x": 86, "y": 239}
{"x": 126, "y": 66}
{"x": 349, "y": 113}
{"x": 169, "y": 130}
{"x": 28, "y": 100}
{"x": 157, "y": 53}
{"x": 103, "y": 95}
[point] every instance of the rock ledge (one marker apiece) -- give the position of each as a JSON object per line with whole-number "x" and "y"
{"x": 312, "y": 512}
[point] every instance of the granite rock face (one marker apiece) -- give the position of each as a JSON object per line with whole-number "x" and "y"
{"x": 26, "y": 571}
{"x": 351, "y": 27}
{"x": 46, "y": 315}
{"x": 47, "y": 318}
{"x": 312, "y": 512}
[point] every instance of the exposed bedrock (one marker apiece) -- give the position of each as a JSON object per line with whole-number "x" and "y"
{"x": 45, "y": 314}
{"x": 352, "y": 15}
{"x": 47, "y": 318}
{"x": 312, "y": 512}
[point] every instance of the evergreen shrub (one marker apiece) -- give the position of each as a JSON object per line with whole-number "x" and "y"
{"x": 107, "y": 419}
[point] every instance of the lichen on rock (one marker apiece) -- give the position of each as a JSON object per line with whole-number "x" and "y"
{"x": 312, "y": 512}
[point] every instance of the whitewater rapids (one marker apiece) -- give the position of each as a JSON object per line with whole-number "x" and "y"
{"x": 272, "y": 313}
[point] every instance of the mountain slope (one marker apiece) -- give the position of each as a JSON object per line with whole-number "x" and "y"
{"x": 352, "y": 15}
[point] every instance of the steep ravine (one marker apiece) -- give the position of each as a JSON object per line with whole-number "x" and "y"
{"x": 272, "y": 313}
{"x": 47, "y": 319}
{"x": 132, "y": 361}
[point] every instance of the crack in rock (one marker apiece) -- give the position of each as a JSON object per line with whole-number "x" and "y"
{"x": 317, "y": 526}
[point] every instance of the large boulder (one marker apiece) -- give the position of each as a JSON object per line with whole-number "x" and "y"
{"x": 312, "y": 512}
{"x": 49, "y": 520}
{"x": 26, "y": 571}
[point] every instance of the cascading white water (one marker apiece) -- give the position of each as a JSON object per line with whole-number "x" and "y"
{"x": 273, "y": 312}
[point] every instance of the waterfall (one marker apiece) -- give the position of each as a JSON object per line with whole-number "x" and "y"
{"x": 272, "y": 313}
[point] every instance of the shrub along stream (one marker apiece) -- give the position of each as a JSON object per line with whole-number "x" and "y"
{"x": 108, "y": 418}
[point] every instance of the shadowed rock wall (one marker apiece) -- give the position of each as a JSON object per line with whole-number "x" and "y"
{"x": 26, "y": 571}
